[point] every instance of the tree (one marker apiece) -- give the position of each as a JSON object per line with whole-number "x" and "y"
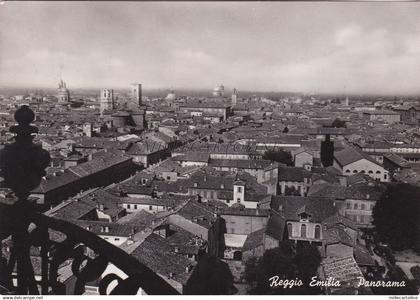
{"x": 307, "y": 260}
{"x": 396, "y": 216}
{"x": 337, "y": 123}
{"x": 211, "y": 277}
{"x": 286, "y": 130}
{"x": 286, "y": 262}
{"x": 280, "y": 156}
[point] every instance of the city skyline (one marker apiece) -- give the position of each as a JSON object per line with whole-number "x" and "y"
{"x": 295, "y": 47}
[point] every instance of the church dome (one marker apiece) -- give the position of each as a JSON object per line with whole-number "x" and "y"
{"x": 171, "y": 95}
{"x": 219, "y": 90}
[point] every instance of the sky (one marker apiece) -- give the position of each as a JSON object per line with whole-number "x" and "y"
{"x": 323, "y": 47}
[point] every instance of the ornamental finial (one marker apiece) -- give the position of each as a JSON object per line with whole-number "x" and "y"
{"x": 23, "y": 163}
{"x": 24, "y": 116}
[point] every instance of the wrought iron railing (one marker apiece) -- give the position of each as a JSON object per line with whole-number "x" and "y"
{"x": 22, "y": 166}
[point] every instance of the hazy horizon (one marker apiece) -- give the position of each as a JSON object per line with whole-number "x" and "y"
{"x": 296, "y": 47}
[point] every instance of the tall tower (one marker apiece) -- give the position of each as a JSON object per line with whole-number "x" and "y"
{"x": 238, "y": 191}
{"x": 327, "y": 152}
{"x": 63, "y": 94}
{"x": 106, "y": 100}
{"x": 136, "y": 92}
{"x": 234, "y": 97}
{"x": 347, "y": 101}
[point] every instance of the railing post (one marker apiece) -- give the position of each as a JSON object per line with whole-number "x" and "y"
{"x": 22, "y": 165}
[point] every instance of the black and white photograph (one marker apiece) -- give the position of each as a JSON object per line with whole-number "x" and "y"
{"x": 209, "y": 148}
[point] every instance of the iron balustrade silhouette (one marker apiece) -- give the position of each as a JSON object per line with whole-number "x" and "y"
{"x": 22, "y": 166}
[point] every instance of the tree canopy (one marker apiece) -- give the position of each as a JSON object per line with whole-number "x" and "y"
{"x": 396, "y": 216}
{"x": 211, "y": 277}
{"x": 286, "y": 262}
{"x": 337, "y": 123}
{"x": 280, "y": 156}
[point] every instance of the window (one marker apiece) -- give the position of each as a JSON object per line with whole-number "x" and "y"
{"x": 384, "y": 176}
{"x": 116, "y": 239}
{"x": 363, "y": 171}
{"x": 348, "y": 205}
{"x": 355, "y": 206}
{"x": 362, "y": 206}
{"x": 135, "y": 206}
{"x": 370, "y": 172}
{"x": 239, "y": 189}
{"x": 378, "y": 172}
{"x": 303, "y": 231}
{"x": 168, "y": 177}
{"x": 150, "y": 207}
{"x": 317, "y": 232}
{"x": 371, "y": 206}
{"x": 128, "y": 206}
{"x": 347, "y": 171}
{"x": 354, "y": 171}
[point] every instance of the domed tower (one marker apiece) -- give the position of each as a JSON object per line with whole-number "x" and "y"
{"x": 219, "y": 91}
{"x": 171, "y": 95}
{"x": 63, "y": 93}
